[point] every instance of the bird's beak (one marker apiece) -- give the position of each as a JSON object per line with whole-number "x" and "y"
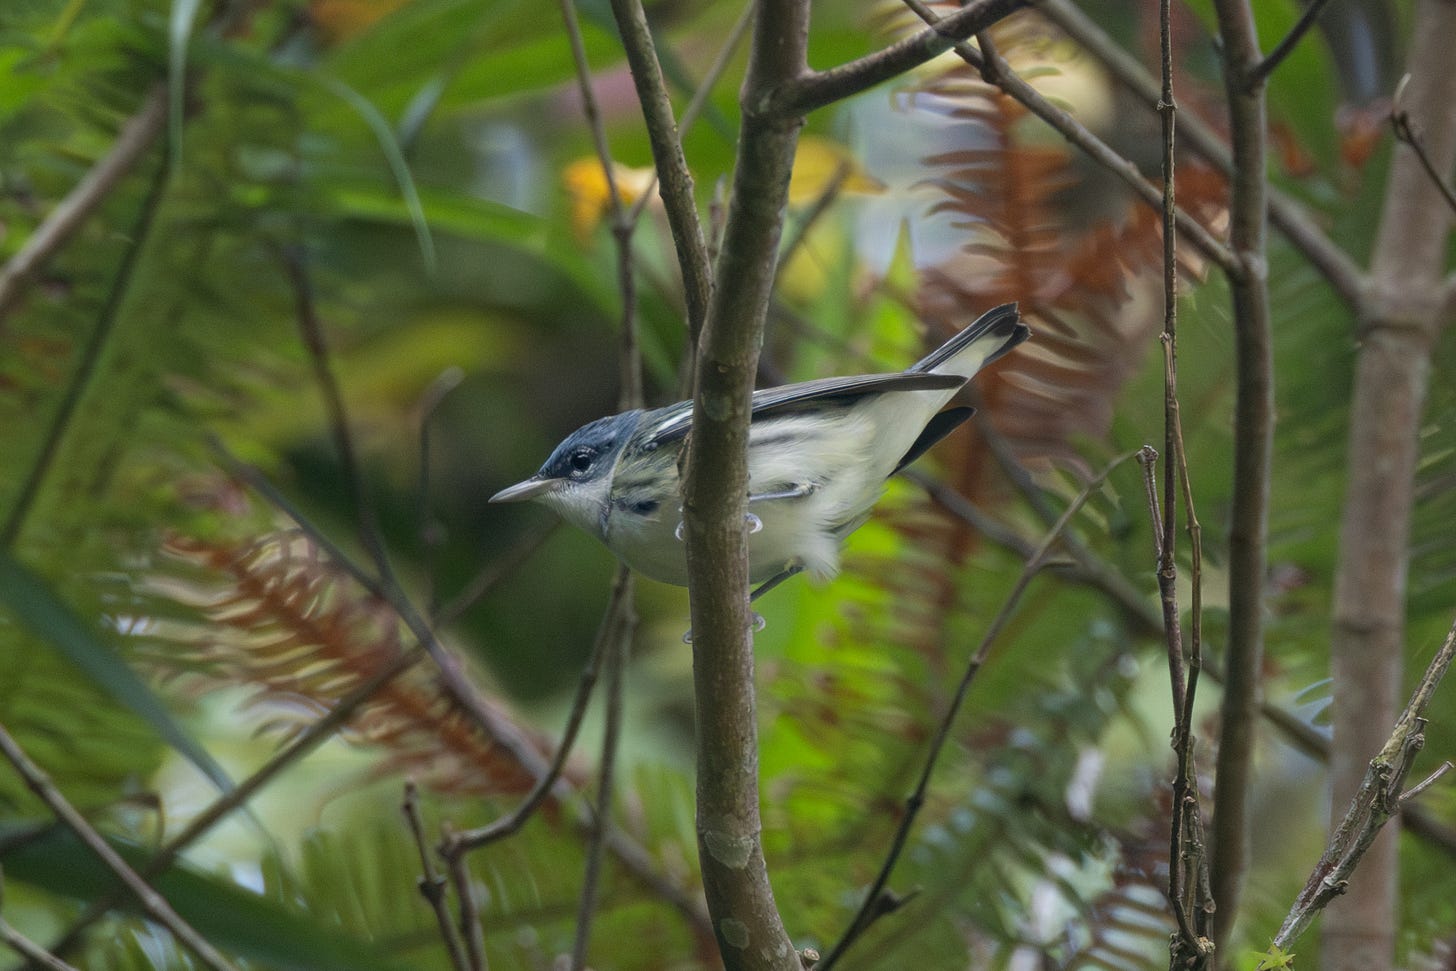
{"x": 532, "y": 488}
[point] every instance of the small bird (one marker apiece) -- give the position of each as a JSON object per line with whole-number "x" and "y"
{"x": 819, "y": 454}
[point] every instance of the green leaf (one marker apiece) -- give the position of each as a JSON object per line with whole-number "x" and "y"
{"x": 41, "y": 612}
{"x": 394, "y": 154}
{"x": 237, "y": 921}
{"x": 179, "y": 29}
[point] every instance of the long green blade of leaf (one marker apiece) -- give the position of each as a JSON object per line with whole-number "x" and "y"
{"x": 236, "y": 920}
{"x": 179, "y": 31}
{"x": 41, "y": 612}
{"x": 394, "y": 154}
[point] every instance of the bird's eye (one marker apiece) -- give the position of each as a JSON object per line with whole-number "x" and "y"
{"x": 581, "y": 460}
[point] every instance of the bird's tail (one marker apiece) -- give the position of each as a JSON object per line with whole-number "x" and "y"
{"x": 992, "y": 334}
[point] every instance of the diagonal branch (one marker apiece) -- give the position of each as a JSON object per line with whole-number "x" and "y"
{"x": 1378, "y": 799}
{"x": 877, "y": 900}
{"x": 132, "y": 142}
{"x": 153, "y": 903}
{"x": 676, "y": 182}
{"x": 996, "y": 71}
{"x": 801, "y": 95}
{"x": 1400, "y": 122}
{"x": 1286, "y": 215}
{"x": 1261, "y": 71}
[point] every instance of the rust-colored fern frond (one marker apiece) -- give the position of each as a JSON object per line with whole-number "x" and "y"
{"x": 279, "y": 617}
{"x": 1044, "y": 228}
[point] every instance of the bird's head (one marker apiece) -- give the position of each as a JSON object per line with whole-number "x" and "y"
{"x": 576, "y": 480}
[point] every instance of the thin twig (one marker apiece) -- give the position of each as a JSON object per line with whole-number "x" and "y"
{"x": 999, "y": 73}
{"x": 1400, "y": 123}
{"x": 1378, "y": 798}
{"x": 676, "y": 181}
{"x": 34, "y": 954}
{"x": 136, "y": 136}
{"x": 612, "y": 620}
{"x": 1252, "y": 460}
{"x": 1167, "y": 574}
{"x": 1187, "y": 869}
{"x": 305, "y": 742}
{"x": 700, "y": 98}
{"x": 615, "y": 661}
{"x": 31, "y": 951}
{"x": 1261, "y": 71}
{"x": 431, "y": 884}
{"x": 874, "y": 902}
{"x": 152, "y": 902}
{"x": 468, "y": 912}
{"x": 90, "y": 359}
{"x": 311, "y": 331}
{"x": 1343, "y": 273}
{"x": 1426, "y": 783}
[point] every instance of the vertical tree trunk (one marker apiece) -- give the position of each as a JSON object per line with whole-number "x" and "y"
{"x": 1399, "y": 325}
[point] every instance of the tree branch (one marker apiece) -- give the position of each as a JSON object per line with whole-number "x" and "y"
{"x": 616, "y": 660}
{"x": 1378, "y": 799}
{"x": 153, "y": 903}
{"x": 675, "y": 180}
{"x": 137, "y": 135}
{"x": 432, "y": 885}
{"x": 1259, "y": 74}
{"x": 999, "y": 73}
{"x": 877, "y": 900}
{"x": 803, "y": 94}
{"x": 746, "y": 922}
{"x": 1288, "y": 216}
{"x": 1405, "y": 132}
{"x": 1253, "y": 448}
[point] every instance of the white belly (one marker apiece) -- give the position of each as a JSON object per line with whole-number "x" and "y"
{"x": 842, "y": 458}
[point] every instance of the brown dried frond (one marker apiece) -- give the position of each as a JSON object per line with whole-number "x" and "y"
{"x": 281, "y": 618}
{"x": 1045, "y": 228}
{"x": 1079, "y": 254}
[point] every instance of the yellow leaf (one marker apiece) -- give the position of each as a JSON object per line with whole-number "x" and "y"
{"x": 586, "y": 185}
{"x": 341, "y": 19}
{"x": 819, "y": 164}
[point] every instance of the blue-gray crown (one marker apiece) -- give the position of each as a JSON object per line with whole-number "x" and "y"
{"x": 590, "y": 450}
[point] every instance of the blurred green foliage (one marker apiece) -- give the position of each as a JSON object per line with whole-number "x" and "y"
{"x": 411, "y": 154}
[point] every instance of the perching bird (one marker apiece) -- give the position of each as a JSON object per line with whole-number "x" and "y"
{"x": 819, "y": 453}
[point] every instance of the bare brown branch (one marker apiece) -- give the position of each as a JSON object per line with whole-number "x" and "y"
{"x": 878, "y": 899}
{"x": 136, "y": 137}
{"x": 801, "y": 95}
{"x": 1253, "y": 453}
{"x": 1288, "y": 216}
{"x": 153, "y": 903}
{"x": 672, "y": 168}
{"x": 1375, "y": 802}
{"x": 745, "y": 919}
{"x": 1000, "y": 74}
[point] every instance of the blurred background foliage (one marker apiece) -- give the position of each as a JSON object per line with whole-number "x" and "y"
{"x": 424, "y": 165}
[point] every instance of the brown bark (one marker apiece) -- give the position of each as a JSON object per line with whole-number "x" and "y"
{"x": 1399, "y": 325}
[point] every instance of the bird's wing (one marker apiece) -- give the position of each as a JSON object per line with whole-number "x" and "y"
{"x": 678, "y": 419}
